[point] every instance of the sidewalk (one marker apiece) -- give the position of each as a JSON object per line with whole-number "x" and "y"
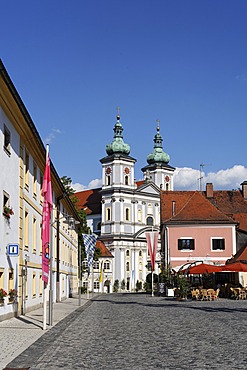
{"x": 18, "y": 333}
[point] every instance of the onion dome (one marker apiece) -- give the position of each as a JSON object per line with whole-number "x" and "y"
{"x": 158, "y": 156}
{"x": 118, "y": 146}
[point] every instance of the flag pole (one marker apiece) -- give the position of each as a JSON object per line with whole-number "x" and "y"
{"x": 44, "y": 283}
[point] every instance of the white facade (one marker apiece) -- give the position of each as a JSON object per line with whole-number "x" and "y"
{"x": 129, "y": 210}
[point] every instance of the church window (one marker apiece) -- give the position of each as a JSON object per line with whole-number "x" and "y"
{"x": 127, "y": 253}
{"x": 167, "y": 187}
{"x": 127, "y": 214}
{"x": 126, "y": 180}
{"x": 139, "y": 215}
{"x": 108, "y": 214}
{"x": 140, "y": 253}
{"x": 150, "y": 209}
{"x": 106, "y": 265}
{"x": 108, "y": 180}
{"x": 127, "y": 266}
{"x": 150, "y": 221}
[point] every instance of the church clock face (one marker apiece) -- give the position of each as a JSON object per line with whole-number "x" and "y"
{"x": 127, "y": 170}
{"x": 167, "y": 178}
{"x": 108, "y": 170}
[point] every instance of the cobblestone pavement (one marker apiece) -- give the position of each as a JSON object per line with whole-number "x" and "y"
{"x": 135, "y": 331}
{"x": 18, "y": 333}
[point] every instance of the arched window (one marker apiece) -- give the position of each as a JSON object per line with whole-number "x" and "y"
{"x": 150, "y": 209}
{"x": 140, "y": 253}
{"x": 126, "y": 180}
{"x": 127, "y": 214}
{"x": 127, "y": 266}
{"x": 108, "y": 214}
{"x": 150, "y": 221}
{"x": 127, "y": 253}
{"x": 167, "y": 186}
{"x": 108, "y": 180}
{"x": 139, "y": 215}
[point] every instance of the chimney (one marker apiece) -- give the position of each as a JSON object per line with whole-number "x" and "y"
{"x": 173, "y": 208}
{"x": 244, "y": 189}
{"x": 209, "y": 190}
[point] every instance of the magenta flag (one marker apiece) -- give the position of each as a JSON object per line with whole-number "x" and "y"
{"x": 152, "y": 242}
{"x": 46, "y": 217}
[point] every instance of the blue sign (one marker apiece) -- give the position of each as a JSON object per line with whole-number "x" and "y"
{"x": 13, "y": 249}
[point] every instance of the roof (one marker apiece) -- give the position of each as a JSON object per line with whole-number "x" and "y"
{"x": 189, "y": 207}
{"x": 232, "y": 203}
{"x": 89, "y": 200}
{"x": 241, "y": 255}
{"x": 104, "y": 251}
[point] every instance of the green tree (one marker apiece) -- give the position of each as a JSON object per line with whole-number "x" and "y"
{"x": 67, "y": 181}
{"x": 123, "y": 285}
{"x": 138, "y": 285}
{"x": 116, "y": 286}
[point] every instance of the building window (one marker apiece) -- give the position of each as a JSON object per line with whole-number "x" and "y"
{"x": 140, "y": 253}
{"x": 127, "y": 266}
{"x": 167, "y": 187}
{"x": 150, "y": 221}
{"x": 85, "y": 284}
{"x": 126, "y": 180}
{"x": 108, "y": 180}
{"x": 218, "y": 244}
{"x": 127, "y": 253}
{"x": 5, "y": 202}
{"x": 26, "y": 230}
{"x": 150, "y": 209}
{"x": 85, "y": 265}
{"x": 127, "y": 214}
{"x": 35, "y": 180}
{"x": 34, "y": 235}
{"x": 108, "y": 214}
{"x": 26, "y": 169}
{"x": 106, "y": 265}
{"x": 6, "y": 139}
{"x": 186, "y": 244}
{"x": 98, "y": 227}
{"x": 34, "y": 286}
{"x": 139, "y": 215}
{"x": 11, "y": 280}
{"x": 96, "y": 265}
{"x": 96, "y": 284}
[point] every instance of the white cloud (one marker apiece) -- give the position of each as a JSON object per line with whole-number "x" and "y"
{"x": 96, "y": 183}
{"x": 52, "y": 135}
{"x": 188, "y": 178}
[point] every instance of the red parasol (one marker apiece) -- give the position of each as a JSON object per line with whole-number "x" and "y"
{"x": 235, "y": 267}
{"x": 203, "y": 268}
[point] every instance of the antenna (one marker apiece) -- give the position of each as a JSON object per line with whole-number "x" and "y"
{"x": 202, "y": 165}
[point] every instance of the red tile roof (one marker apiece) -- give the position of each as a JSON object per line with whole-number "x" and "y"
{"x": 104, "y": 251}
{"x": 90, "y": 200}
{"x": 190, "y": 207}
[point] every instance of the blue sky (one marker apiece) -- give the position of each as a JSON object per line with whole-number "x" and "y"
{"x": 182, "y": 62}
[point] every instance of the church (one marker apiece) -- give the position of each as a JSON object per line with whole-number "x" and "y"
{"x": 123, "y": 209}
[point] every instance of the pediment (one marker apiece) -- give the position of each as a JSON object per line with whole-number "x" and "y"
{"x": 148, "y": 188}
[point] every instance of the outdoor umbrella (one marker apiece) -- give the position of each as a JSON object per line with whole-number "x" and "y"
{"x": 203, "y": 268}
{"x": 235, "y": 267}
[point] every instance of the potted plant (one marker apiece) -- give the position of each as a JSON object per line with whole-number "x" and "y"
{"x": 182, "y": 288}
{"x": 3, "y": 294}
{"x": 12, "y": 295}
{"x": 7, "y": 211}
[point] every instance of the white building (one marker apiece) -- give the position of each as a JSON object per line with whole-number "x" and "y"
{"x": 22, "y": 165}
{"x": 123, "y": 209}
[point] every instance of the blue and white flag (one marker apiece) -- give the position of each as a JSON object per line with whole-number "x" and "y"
{"x": 89, "y": 243}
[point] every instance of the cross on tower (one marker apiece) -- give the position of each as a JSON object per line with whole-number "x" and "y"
{"x": 158, "y": 124}
{"x": 118, "y": 113}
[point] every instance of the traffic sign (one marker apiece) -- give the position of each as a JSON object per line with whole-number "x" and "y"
{"x": 13, "y": 249}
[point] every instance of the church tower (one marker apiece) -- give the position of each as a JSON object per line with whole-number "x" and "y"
{"x": 158, "y": 170}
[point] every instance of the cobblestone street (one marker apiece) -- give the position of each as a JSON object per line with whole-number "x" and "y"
{"x": 136, "y": 331}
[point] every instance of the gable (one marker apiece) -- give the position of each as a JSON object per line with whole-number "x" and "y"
{"x": 149, "y": 188}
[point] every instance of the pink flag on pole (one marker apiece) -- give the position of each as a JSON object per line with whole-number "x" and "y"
{"x": 46, "y": 216}
{"x": 152, "y": 242}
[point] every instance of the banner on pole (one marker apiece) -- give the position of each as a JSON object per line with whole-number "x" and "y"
{"x": 46, "y": 217}
{"x": 90, "y": 244}
{"x": 152, "y": 242}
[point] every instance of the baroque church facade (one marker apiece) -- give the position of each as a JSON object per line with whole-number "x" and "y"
{"x": 123, "y": 209}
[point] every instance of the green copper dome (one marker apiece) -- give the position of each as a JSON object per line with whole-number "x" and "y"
{"x": 158, "y": 156}
{"x": 118, "y": 145}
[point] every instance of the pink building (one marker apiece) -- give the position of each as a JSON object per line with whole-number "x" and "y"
{"x": 208, "y": 226}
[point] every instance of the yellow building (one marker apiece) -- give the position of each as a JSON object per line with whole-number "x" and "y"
{"x": 22, "y": 165}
